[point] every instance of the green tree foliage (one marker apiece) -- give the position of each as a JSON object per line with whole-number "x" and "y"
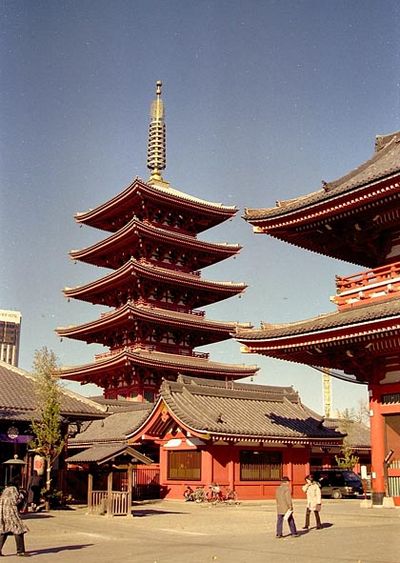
{"x": 347, "y": 460}
{"x": 46, "y": 423}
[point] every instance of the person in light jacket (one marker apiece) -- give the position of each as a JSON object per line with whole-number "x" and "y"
{"x": 284, "y": 506}
{"x": 313, "y": 492}
{"x": 10, "y": 520}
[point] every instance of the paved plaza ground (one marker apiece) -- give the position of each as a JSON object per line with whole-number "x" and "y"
{"x": 179, "y": 532}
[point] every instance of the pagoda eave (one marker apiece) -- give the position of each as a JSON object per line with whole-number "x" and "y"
{"x": 347, "y": 348}
{"x": 310, "y": 209}
{"x": 122, "y": 280}
{"x": 107, "y": 216}
{"x": 157, "y": 361}
{"x": 126, "y": 316}
{"x": 350, "y": 227}
{"x": 125, "y": 240}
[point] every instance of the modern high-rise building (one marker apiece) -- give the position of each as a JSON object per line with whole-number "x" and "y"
{"x": 10, "y": 329}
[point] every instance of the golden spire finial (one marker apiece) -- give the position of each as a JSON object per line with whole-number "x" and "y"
{"x": 156, "y": 151}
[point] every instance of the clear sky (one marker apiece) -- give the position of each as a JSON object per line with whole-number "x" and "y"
{"x": 264, "y": 100}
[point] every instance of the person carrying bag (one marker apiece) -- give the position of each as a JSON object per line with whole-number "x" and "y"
{"x": 313, "y": 492}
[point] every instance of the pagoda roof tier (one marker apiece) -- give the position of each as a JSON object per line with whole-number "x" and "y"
{"x": 116, "y": 212}
{"x": 102, "y": 329}
{"x": 120, "y": 246}
{"x": 349, "y": 218}
{"x": 167, "y": 365}
{"x": 116, "y": 287}
{"x": 349, "y": 340}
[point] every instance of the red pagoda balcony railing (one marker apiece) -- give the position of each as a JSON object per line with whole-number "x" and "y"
{"x": 379, "y": 283}
{"x": 108, "y": 354}
{"x": 180, "y": 351}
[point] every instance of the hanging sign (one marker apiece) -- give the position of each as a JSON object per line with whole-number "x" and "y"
{"x": 12, "y": 432}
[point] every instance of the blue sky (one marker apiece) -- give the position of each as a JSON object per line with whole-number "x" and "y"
{"x": 264, "y": 100}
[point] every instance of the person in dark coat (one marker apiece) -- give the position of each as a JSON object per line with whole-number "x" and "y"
{"x": 10, "y": 520}
{"x": 284, "y": 506}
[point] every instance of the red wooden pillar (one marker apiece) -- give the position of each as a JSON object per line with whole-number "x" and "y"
{"x": 289, "y": 464}
{"x": 163, "y": 466}
{"x": 231, "y": 472}
{"x": 378, "y": 441}
{"x": 109, "y": 493}
{"x": 206, "y": 467}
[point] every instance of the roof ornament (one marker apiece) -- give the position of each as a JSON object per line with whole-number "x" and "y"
{"x": 156, "y": 150}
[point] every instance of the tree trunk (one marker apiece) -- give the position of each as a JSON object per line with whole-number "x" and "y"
{"x": 48, "y": 482}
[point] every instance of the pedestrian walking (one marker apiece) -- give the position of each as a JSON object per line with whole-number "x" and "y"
{"x": 313, "y": 492}
{"x": 10, "y": 520}
{"x": 34, "y": 488}
{"x": 284, "y": 506}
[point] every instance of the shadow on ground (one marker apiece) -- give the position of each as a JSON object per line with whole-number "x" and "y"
{"x": 152, "y": 512}
{"x": 60, "y": 548}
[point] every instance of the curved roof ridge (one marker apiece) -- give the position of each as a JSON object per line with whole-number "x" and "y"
{"x": 377, "y": 155}
{"x": 198, "y": 384}
{"x": 361, "y": 314}
{"x": 242, "y": 415}
{"x": 384, "y": 163}
{"x": 148, "y": 227}
{"x": 155, "y": 312}
{"x": 163, "y": 357}
{"x": 161, "y": 191}
{"x": 147, "y": 267}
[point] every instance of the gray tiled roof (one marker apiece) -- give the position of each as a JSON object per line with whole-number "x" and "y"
{"x": 359, "y": 314}
{"x": 113, "y": 428}
{"x": 119, "y": 405}
{"x": 358, "y": 435}
{"x": 275, "y": 414}
{"x": 384, "y": 163}
{"x": 18, "y": 398}
{"x": 103, "y": 453}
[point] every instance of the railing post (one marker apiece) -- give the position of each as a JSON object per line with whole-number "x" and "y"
{"x": 129, "y": 499}
{"x": 90, "y": 492}
{"x": 109, "y": 494}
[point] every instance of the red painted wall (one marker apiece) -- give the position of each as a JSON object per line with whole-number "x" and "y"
{"x": 220, "y": 464}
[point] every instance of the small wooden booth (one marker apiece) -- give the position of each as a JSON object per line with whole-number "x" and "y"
{"x": 106, "y": 465}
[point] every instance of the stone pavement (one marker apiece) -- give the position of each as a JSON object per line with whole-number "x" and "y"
{"x": 179, "y": 532}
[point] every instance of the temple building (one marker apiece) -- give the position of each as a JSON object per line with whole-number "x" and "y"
{"x": 244, "y": 437}
{"x": 18, "y": 407}
{"x": 185, "y": 413}
{"x": 356, "y": 219}
{"x": 155, "y": 290}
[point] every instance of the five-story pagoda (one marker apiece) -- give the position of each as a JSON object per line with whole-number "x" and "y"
{"x": 155, "y": 286}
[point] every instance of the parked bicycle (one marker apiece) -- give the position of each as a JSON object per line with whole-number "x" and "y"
{"x": 213, "y": 494}
{"x": 188, "y": 494}
{"x": 194, "y": 495}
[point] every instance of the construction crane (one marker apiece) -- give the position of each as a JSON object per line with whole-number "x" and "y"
{"x": 327, "y": 392}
